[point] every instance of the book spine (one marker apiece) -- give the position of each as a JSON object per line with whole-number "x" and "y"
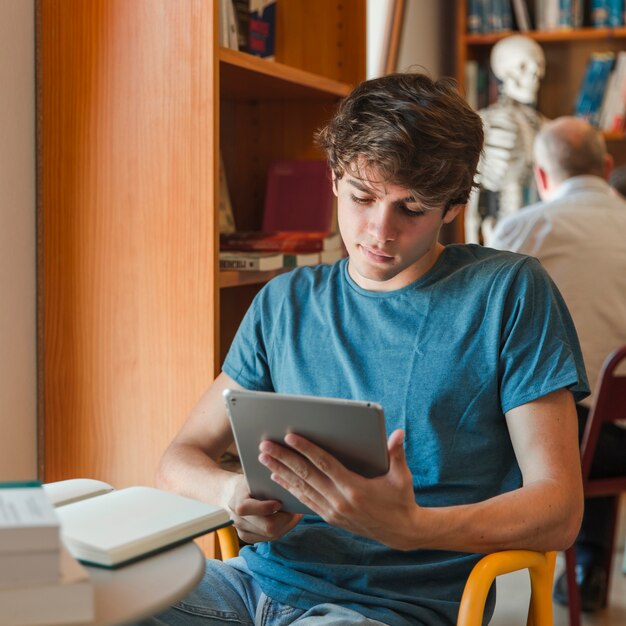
{"x": 616, "y": 13}
{"x": 262, "y": 28}
{"x": 565, "y": 14}
{"x": 474, "y": 17}
{"x": 507, "y": 14}
{"x": 616, "y": 121}
{"x": 471, "y": 83}
{"x": 606, "y": 64}
{"x": 599, "y": 13}
{"x": 522, "y": 18}
{"x": 583, "y": 100}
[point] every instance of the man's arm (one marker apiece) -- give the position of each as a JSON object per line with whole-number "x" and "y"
{"x": 190, "y": 467}
{"x": 543, "y": 514}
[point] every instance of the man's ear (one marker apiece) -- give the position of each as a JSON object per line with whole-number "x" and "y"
{"x": 452, "y": 212}
{"x": 335, "y": 190}
{"x": 541, "y": 178}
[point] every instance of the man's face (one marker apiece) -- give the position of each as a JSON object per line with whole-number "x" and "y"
{"x": 390, "y": 238}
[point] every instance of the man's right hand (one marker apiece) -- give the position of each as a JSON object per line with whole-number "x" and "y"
{"x": 258, "y": 520}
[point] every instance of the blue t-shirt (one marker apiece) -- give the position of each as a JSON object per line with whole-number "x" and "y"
{"x": 482, "y": 332}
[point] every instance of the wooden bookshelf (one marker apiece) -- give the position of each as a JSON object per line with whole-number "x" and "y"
{"x": 136, "y": 101}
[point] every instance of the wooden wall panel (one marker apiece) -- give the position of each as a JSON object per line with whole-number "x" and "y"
{"x": 126, "y": 227}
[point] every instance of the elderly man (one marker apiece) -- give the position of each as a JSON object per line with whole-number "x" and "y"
{"x": 577, "y": 232}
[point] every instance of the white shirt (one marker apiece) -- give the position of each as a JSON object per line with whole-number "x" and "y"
{"x": 579, "y": 236}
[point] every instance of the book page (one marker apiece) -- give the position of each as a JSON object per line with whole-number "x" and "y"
{"x": 67, "y": 491}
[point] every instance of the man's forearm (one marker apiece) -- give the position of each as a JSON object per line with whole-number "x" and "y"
{"x": 189, "y": 471}
{"x": 540, "y": 516}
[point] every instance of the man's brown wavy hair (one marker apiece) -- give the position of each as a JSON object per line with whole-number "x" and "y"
{"x": 413, "y": 132}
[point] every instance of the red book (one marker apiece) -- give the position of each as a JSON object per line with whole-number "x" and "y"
{"x": 299, "y": 196}
{"x": 280, "y": 241}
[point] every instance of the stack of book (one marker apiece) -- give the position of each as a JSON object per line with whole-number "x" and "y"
{"x": 271, "y": 250}
{"x": 40, "y": 582}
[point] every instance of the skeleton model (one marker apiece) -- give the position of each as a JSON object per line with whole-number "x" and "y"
{"x": 505, "y": 169}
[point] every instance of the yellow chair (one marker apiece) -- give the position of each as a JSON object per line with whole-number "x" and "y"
{"x": 539, "y": 564}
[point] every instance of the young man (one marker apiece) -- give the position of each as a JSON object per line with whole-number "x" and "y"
{"x": 470, "y": 351}
{"x": 577, "y": 234}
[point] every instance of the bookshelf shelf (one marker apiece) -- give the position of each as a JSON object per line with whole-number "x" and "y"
{"x": 614, "y": 137}
{"x": 244, "y": 76}
{"x": 569, "y": 35}
{"x": 230, "y": 278}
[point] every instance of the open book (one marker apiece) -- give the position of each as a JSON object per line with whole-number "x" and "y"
{"x": 107, "y": 527}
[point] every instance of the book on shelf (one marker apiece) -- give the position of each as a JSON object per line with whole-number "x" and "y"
{"x": 67, "y": 600}
{"x": 547, "y": 14}
{"x": 229, "y": 35}
{"x": 280, "y": 241}
{"x": 298, "y": 259}
{"x": 242, "y": 13}
{"x": 522, "y": 15}
{"x": 125, "y": 525}
{"x": 616, "y": 12}
{"x": 475, "y": 15}
{"x": 471, "y": 83}
{"x": 599, "y": 13}
{"x": 225, "y": 209}
{"x": 614, "y": 105}
{"x": 29, "y": 535}
{"x": 262, "y": 28}
{"x": 591, "y": 93}
{"x": 299, "y": 196}
{"x": 255, "y": 261}
{"x": 489, "y": 16}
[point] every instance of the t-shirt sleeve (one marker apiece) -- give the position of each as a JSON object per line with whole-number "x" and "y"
{"x": 539, "y": 351}
{"x": 247, "y": 361}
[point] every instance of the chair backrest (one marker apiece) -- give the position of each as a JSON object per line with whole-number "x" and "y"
{"x": 540, "y": 567}
{"x": 609, "y": 406}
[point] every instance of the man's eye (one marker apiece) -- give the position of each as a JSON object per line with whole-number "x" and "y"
{"x": 360, "y": 200}
{"x": 412, "y": 212}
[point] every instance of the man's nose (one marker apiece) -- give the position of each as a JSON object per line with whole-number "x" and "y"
{"x": 382, "y": 224}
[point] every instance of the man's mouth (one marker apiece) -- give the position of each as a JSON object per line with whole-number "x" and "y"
{"x": 376, "y": 255}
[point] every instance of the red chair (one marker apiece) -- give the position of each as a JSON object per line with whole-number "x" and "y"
{"x": 609, "y": 406}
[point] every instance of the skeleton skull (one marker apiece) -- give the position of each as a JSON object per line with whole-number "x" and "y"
{"x": 520, "y": 64}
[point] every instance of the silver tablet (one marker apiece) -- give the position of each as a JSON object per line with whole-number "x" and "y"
{"x": 352, "y": 431}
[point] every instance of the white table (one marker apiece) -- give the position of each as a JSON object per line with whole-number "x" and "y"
{"x": 147, "y": 587}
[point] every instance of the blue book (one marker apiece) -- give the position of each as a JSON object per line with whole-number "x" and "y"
{"x": 582, "y": 107}
{"x": 606, "y": 62}
{"x": 507, "y": 15}
{"x": 565, "y": 14}
{"x": 616, "y": 13}
{"x": 474, "y": 17}
{"x": 600, "y": 13}
{"x": 594, "y": 84}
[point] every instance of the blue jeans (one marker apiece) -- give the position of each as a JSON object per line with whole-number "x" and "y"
{"x": 228, "y": 594}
